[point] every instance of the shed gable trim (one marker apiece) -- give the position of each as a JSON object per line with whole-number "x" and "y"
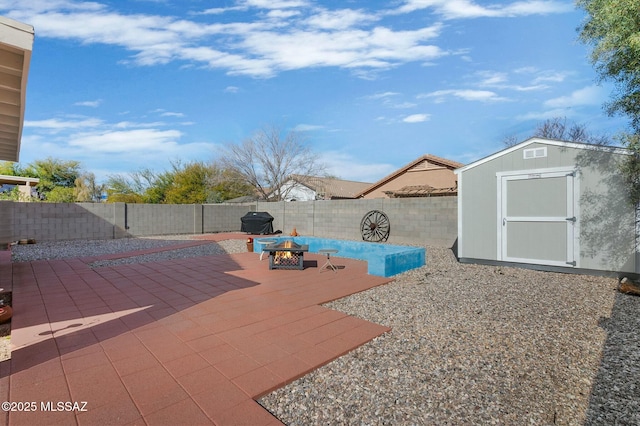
{"x": 552, "y": 142}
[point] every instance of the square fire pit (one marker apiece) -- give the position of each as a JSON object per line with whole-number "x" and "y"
{"x": 286, "y": 255}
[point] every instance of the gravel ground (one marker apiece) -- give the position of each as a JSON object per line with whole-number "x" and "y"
{"x": 470, "y": 344}
{"x": 80, "y": 248}
{"x": 482, "y": 345}
{"x": 5, "y": 341}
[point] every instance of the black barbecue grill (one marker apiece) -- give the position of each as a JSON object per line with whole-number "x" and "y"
{"x": 257, "y": 223}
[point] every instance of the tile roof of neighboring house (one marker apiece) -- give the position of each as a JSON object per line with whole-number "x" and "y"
{"x": 427, "y": 157}
{"x": 331, "y": 187}
{"x": 421, "y": 191}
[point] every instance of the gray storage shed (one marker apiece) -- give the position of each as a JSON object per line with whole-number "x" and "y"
{"x": 548, "y": 204}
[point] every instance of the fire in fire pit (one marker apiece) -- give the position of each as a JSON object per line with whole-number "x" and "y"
{"x": 286, "y": 255}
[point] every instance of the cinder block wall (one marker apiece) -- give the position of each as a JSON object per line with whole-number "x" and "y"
{"x": 431, "y": 221}
{"x": 163, "y": 219}
{"x": 6, "y": 223}
{"x": 223, "y": 217}
{"x": 65, "y": 221}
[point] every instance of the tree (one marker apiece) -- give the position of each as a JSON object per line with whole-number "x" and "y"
{"x": 87, "y": 189}
{"x": 190, "y": 184}
{"x": 510, "y": 140}
{"x": 143, "y": 186}
{"x": 120, "y": 189}
{"x": 12, "y": 194}
{"x": 267, "y": 159}
{"x": 53, "y": 173}
{"x": 227, "y": 184}
{"x": 60, "y": 194}
{"x": 9, "y": 168}
{"x": 558, "y": 128}
{"x": 612, "y": 29}
{"x": 631, "y": 166}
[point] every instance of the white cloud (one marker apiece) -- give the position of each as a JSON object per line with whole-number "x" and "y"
{"x": 492, "y": 78}
{"x": 388, "y": 100}
{"x": 545, "y": 115}
{"x": 220, "y": 10}
{"x": 378, "y": 48}
{"x": 123, "y": 146}
{"x": 231, "y": 89}
{"x": 135, "y": 125}
{"x": 551, "y": 77}
{"x": 307, "y": 127}
{"x": 55, "y": 124}
{"x": 502, "y": 80}
{"x": 171, "y": 114}
{"x": 127, "y": 141}
{"x": 383, "y": 95}
{"x": 346, "y": 166}
{"x": 591, "y": 95}
{"x": 340, "y": 19}
{"x": 164, "y": 113}
{"x": 468, "y": 9}
{"x": 416, "y": 118}
{"x": 403, "y": 105}
{"x": 275, "y": 4}
{"x": 92, "y": 104}
{"x": 280, "y": 14}
{"x": 569, "y": 105}
{"x": 465, "y": 94}
{"x": 343, "y": 38}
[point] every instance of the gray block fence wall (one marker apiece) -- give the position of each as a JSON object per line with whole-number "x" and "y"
{"x": 6, "y": 222}
{"x": 424, "y": 221}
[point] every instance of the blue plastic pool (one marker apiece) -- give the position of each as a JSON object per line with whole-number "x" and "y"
{"x": 384, "y": 260}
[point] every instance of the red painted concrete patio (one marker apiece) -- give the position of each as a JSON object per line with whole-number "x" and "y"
{"x": 191, "y": 341}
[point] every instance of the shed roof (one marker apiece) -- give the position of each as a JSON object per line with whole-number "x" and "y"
{"x": 544, "y": 141}
{"x": 16, "y": 43}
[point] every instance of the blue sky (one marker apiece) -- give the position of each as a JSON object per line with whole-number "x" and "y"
{"x": 126, "y": 85}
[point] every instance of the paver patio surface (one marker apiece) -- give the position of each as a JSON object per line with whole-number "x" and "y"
{"x": 190, "y": 341}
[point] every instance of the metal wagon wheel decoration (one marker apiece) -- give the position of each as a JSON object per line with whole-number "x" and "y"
{"x": 375, "y": 226}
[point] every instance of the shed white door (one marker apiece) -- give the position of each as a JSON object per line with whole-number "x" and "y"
{"x": 538, "y": 217}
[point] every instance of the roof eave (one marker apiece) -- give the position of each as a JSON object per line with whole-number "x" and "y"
{"x": 16, "y": 39}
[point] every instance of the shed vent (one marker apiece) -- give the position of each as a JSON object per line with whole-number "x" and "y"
{"x": 534, "y": 153}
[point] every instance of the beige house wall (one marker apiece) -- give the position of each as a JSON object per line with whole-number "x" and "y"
{"x": 24, "y": 185}
{"x": 25, "y": 192}
{"x": 437, "y": 177}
